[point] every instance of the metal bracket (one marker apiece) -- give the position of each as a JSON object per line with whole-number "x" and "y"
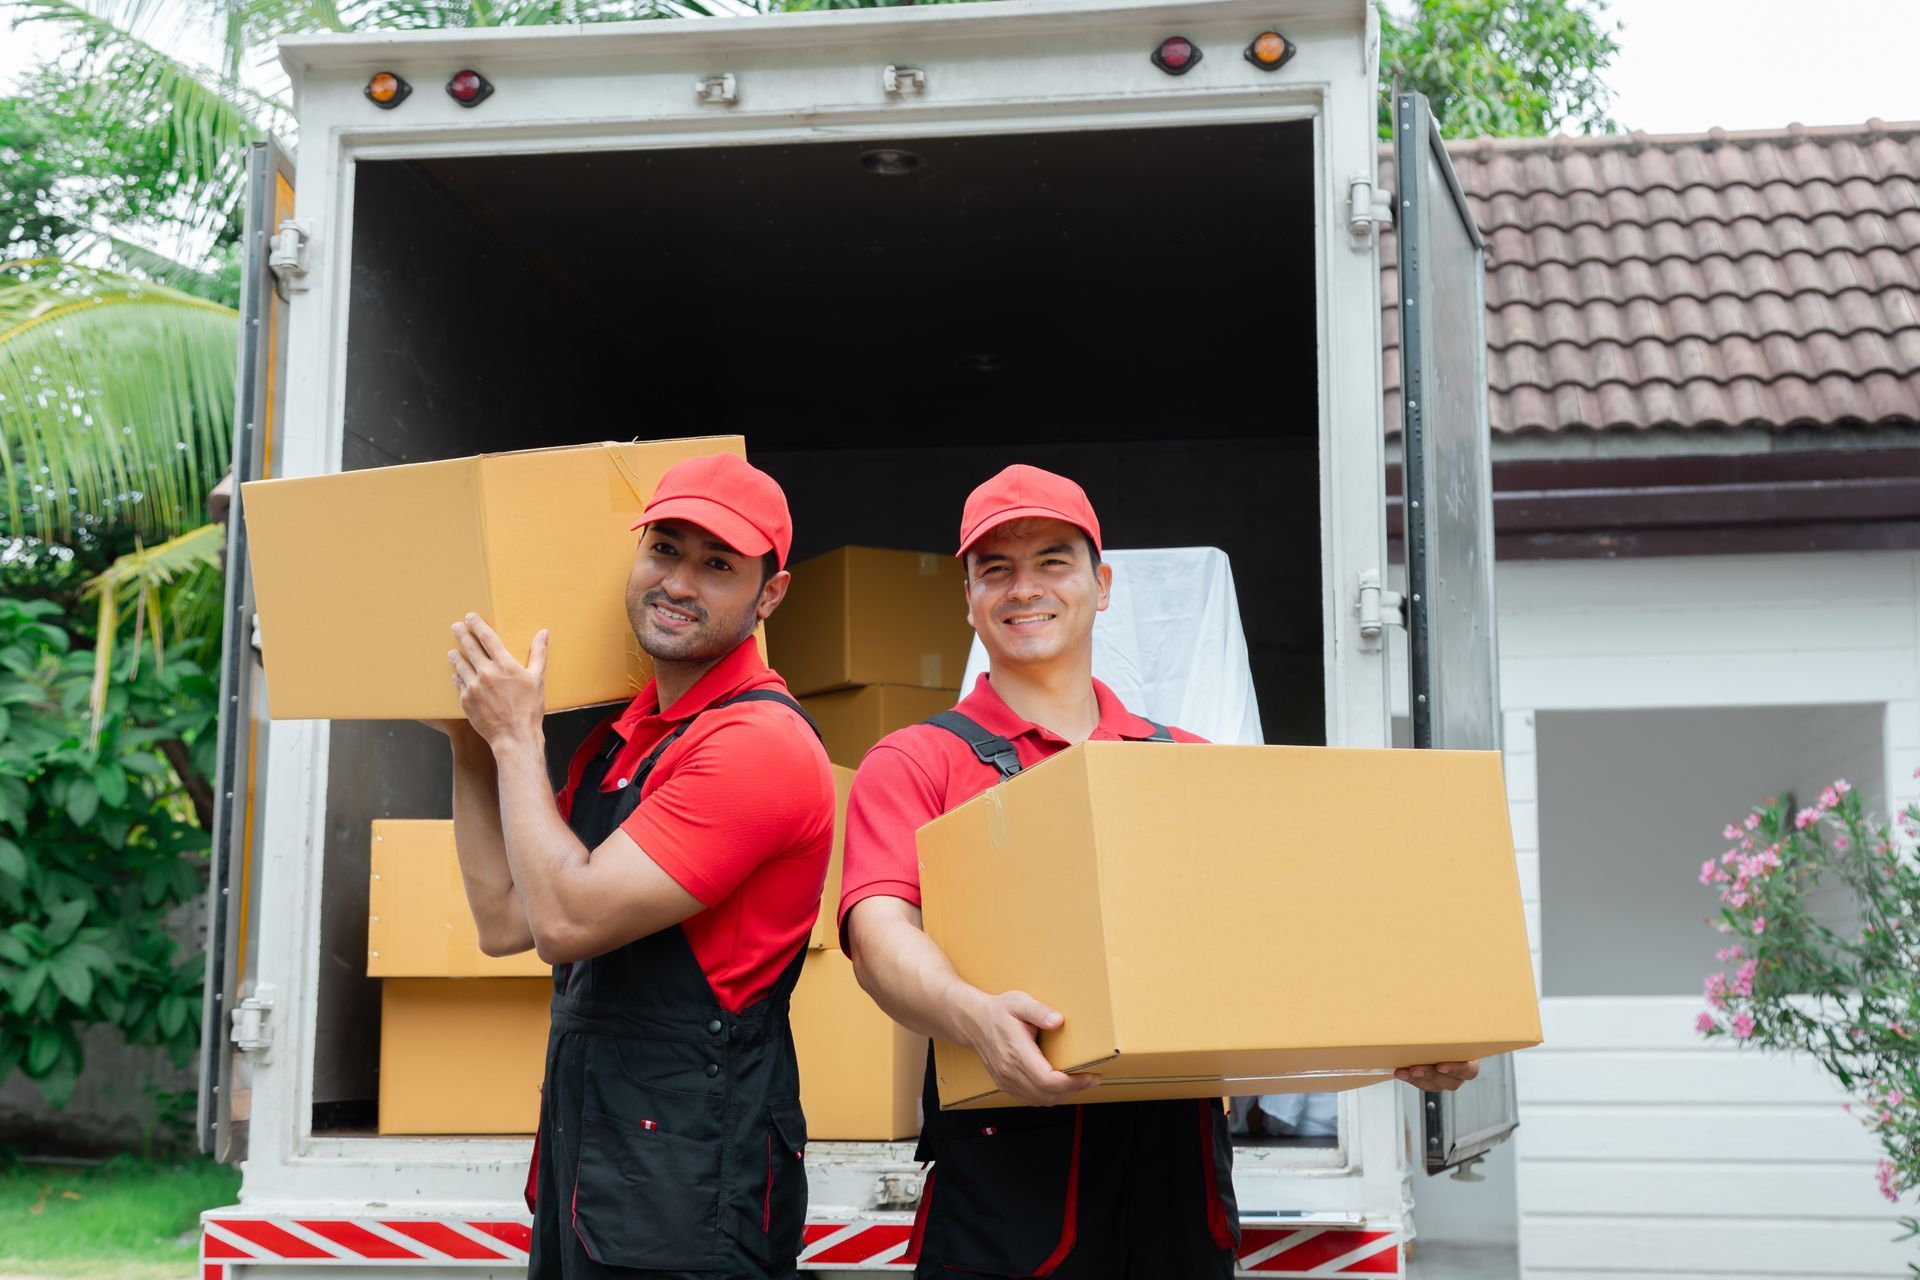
{"x": 900, "y": 81}
{"x": 1470, "y": 1171}
{"x": 896, "y": 1191}
{"x": 1376, "y": 608}
{"x": 1367, "y": 207}
{"x": 288, "y": 257}
{"x": 251, "y": 1030}
{"x": 722, "y": 89}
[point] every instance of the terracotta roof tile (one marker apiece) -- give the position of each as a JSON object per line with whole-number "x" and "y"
{"x": 1712, "y": 280}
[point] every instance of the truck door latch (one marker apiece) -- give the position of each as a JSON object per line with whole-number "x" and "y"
{"x": 721, "y": 89}
{"x": 1367, "y": 207}
{"x": 287, "y": 255}
{"x": 900, "y": 81}
{"x": 251, "y": 1032}
{"x": 1376, "y": 607}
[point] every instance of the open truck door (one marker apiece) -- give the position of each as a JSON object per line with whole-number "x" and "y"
{"x": 227, "y": 1041}
{"x": 1454, "y": 684}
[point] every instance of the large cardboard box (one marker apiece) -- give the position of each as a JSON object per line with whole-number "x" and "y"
{"x": 860, "y": 615}
{"x": 462, "y": 1055}
{"x": 826, "y": 927}
{"x": 852, "y": 720}
{"x": 418, "y": 922}
{"x": 359, "y": 575}
{"x": 1230, "y": 920}
{"x": 860, "y": 1071}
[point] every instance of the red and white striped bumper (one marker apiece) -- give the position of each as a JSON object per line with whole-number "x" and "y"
{"x": 235, "y": 1240}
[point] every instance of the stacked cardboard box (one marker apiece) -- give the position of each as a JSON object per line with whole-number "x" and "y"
{"x": 871, "y": 641}
{"x": 462, "y": 1033}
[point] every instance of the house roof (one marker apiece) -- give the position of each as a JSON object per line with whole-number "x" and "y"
{"x": 1720, "y": 280}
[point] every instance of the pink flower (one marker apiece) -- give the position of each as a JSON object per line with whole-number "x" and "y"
{"x": 1742, "y": 1027}
{"x": 1759, "y": 925}
{"x": 1895, "y": 1098}
{"x": 1717, "y": 990}
{"x": 1842, "y": 786}
{"x": 1753, "y": 821}
{"x": 1725, "y": 954}
{"x": 1889, "y": 1186}
{"x": 1736, "y": 899}
{"x": 1726, "y": 859}
{"x": 1841, "y": 842}
{"x": 1730, "y": 831}
{"x": 1707, "y": 870}
{"x": 1704, "y": 1023}
{"x": 1742, "y": 984}
{"x": 1805, "y": 818}
{"x": 1829, "y": 798}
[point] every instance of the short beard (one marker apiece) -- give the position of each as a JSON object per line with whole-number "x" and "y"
{"x": 698, "y": 645}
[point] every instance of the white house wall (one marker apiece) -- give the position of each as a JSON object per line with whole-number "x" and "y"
{"x": 1643, "y": 1149}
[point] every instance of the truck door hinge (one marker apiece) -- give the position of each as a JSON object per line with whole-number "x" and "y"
{"x": 252, "y": 1032}
{"x": 1367, "y": 207}
{"x": 1376, "y": 607}
{"x": 899, "y": 81}
{"x": 896, "y": 1191}
{"x": 288, "y": 257}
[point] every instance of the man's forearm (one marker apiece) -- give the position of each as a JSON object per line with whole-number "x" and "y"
{"x": 546, "y": 858}
{"x": 911, "y": 978}
{"x": 498, "y": 914}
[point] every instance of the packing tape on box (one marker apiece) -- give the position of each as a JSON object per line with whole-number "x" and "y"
{"x": 618, "y": 454}
{"x": 996, "y": 818}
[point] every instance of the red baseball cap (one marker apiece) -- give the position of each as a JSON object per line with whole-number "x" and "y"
{"x": 730, "y": 498}
{"x": 1022, "y": 492}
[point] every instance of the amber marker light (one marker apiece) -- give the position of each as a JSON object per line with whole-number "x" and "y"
{"x": 1270, "y": 51}
{"x": 469, "y": 88}
{"x": 387, "y": 90}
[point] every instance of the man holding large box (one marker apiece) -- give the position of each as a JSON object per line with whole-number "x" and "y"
{"x": 673, "y": 885}
{"x": 1124, "y": 1189}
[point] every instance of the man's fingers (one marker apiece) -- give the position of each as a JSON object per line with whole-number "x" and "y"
{"x": 1033, "y": 1013}
{"x": 470, "y": 646}
{"x": 489, "y": 642}
{"x": 537, "y": 660}
{"x": 463, "y": 672}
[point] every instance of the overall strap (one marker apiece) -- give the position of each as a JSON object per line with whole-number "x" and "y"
{"x": 992, "y": 749}
{"x": 1160, "y": 732}
{"x": 774, "y": 695}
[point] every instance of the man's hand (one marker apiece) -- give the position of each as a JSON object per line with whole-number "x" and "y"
{"x": 504, "y": 701}
{"x": 1003, "y": 1030}
{"x": 1440, "y": 1077}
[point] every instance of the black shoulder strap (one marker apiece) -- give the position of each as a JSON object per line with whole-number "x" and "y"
{"x": 774, "y": 695}
{"x": 1160, "y": 732}
{"x": 990, "y": 747}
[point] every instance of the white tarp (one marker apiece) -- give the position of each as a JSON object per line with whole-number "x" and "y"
{"x": 1170, "y": 643}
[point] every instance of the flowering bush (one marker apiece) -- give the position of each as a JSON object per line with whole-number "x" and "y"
{"x": 1847, "y": 994}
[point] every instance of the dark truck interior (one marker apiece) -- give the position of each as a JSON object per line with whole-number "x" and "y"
{"x": 887, "y": 325}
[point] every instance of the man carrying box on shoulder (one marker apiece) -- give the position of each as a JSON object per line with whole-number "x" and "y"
{"x": 1116, "y": 1191}
{"x": 673, "y": 886}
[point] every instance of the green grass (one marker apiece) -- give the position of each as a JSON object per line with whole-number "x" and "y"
{"x": 124, "y": 1219}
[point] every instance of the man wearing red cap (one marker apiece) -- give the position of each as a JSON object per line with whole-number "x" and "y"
{"x": 1117, "y": 1191}
{"x": 673, "y": 885}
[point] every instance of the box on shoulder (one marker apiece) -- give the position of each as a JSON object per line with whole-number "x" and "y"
{"x": 1238, "y": 919}
{"x": 358, "y": 576}
{"x": 462, "y": 1055}
{"x": 866, "y": 615}
{"x": 852, "y": 720}
{"x": 860, "y": 1071}
{"x": 418, "y": 922}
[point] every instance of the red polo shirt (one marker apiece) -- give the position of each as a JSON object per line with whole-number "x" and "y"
{"x": 739, "y": 811}
{"x": 915, "y": 774}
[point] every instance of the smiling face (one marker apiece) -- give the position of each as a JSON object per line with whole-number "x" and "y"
{"x": 693, "y": 598}
{"x": 1033, "y": 589}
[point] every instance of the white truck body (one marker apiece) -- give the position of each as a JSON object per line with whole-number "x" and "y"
{"x": 322, "y": 1190}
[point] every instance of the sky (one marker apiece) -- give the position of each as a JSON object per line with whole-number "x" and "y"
{"x": 1684, "y": 65}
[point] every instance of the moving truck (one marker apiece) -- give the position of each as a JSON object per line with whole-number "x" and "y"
{"x": 1137, "y": 242}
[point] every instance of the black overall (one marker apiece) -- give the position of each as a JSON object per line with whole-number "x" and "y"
{"x": 671, "y": 1134}
{"x": 1096, "y": 1191}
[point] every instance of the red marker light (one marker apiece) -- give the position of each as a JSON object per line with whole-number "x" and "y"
{"x": 1176, "y": 55}
{"x": 469, "y": 88}
{"x": 387, "y": 90}
{"x": 1270, "y": 51}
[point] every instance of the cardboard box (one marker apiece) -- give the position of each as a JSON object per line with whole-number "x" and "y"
{"x": 359, "y": 575}
{"x": 418, "y": 921}
{"x": 860, "y": 1071}
{"x": 826, "y": 927}
{"x": 1238, "y": 920}
{"x": 852, "y": 720}
{"x": 462, "y": 1055}
{"x": 860, "y": 615}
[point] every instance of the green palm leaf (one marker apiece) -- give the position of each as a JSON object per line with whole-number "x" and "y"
{"x": 174, "y": 588}
{"x": 116, "y": 402}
